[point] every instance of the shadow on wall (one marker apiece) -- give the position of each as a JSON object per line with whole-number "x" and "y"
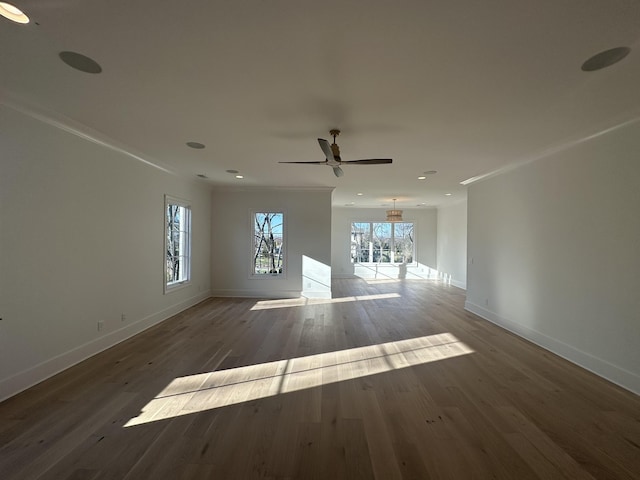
{"x": 316, "y": 279}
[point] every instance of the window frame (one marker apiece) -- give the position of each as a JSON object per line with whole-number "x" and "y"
{"x": 392, "y": 244}
{"x": 252, "y": 232}
{"x": 182, "y": 203}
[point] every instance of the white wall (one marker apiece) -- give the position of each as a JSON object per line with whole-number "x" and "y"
{"x": 81, "y": 241}
{"x": 556, "y": 252}
{"x": 308, "y": 233}
{"x": 425, "y": 221}
{"x": 452, "y": 243}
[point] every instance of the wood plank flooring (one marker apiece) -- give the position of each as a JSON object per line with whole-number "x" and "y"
{"x": 389, "y": 380}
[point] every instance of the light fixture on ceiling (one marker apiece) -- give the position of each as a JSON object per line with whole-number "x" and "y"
{"x": 13, "y": 13}
{"x": 424, "y": 175}
{"x": 394, "y": 215}
{"x": 196, "y": 145}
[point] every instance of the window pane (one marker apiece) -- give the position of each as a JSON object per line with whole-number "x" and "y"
{"x": 403, "y": 242}
{"x": 361, "y": 243}
{"x": 178, "y": 227}
{"x": 268, "y": 243}
{"x": 382, "y": 242}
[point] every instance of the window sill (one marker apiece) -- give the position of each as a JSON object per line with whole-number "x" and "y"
{"x": 176, "y": 286}
{"x": 267, "y": 276}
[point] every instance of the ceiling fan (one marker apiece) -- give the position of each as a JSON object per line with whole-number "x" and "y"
{"x": 332, "y": 155}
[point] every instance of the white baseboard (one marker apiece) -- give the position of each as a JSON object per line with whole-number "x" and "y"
{"x": 241, "y": 293}
{"x": 621, "y": 377}
{"x": 27, "y": 378}
{"x": 317, "y": 294}
{"x": 461, "y": 285}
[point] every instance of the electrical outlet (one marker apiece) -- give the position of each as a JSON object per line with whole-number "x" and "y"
{"x": 123, "y": 317}
{"x": 100, "y": 325}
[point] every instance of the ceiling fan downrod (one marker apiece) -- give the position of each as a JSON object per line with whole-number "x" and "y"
{"x": 334, "y": 146}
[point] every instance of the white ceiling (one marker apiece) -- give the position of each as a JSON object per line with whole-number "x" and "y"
{"x": 462, "y": 87}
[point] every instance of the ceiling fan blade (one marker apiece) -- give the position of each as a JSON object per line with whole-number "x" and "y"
{"x": 337, "y": 171}
{"x": 369, "y": 161}
{"x": 308, "y": 163}
{"x": 326, "y": 148}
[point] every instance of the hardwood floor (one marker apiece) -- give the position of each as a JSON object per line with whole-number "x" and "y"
{"x": 387, "y": 381}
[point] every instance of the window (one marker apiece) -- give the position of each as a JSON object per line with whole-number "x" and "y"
{"x": 268, "y": 244}
{"x": 382, "y": 242}
{"x": 177, "y": 221}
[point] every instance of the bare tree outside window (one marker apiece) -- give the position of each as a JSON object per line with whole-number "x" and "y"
{"x": 268, "y": 243}
{"x": 382, "y": 242}
{"x": 403, "y": 242}
{"x": 177, "y": 242}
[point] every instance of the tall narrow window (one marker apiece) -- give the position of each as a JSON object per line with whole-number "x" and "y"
{"x": 382, "y": 242}
{"x": 177, "y": 242}
{"x": 268, "y": 244}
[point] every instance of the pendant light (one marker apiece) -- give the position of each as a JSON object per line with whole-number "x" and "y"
{"x": 394, "y": 215}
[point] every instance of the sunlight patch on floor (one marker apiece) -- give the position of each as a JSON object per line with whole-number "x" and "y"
{"x": 206, "y": 391}
{"x": 301, "y": 302}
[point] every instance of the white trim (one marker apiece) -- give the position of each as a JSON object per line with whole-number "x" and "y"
{"x": 557, "y": 148}
{"x": 344, "y": 275}
{"x": 27, "y": 378}
{"x": 600, "y": 367}
{"x": 459, "y": 284}
{"x": 256, "y": 293}
{"x": 80, "y": 130}
{"x": 186, "y": 204}
{"x": 316, "y": 294}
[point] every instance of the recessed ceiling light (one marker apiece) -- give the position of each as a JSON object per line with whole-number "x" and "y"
{"x": 605, "y": 59}
{"x": 80, "y": 62}
{"x": 447, "y": 194}
{"x": 359, "y": 194}
{"x": 201, "y": 175}
{"x": 13, "y": 13}
{"x": 431, "y": 172}
{"x": 196, "y": 145}
{"x": 422, "y": 177}
{"x": 239, "y": 176}
{"x": 232, "y": 171}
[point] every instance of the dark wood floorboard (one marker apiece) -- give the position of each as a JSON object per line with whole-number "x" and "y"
{"x": 389, "y": 380}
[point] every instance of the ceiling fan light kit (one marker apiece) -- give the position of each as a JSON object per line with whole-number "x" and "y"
{"x": 334, "y": 160}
